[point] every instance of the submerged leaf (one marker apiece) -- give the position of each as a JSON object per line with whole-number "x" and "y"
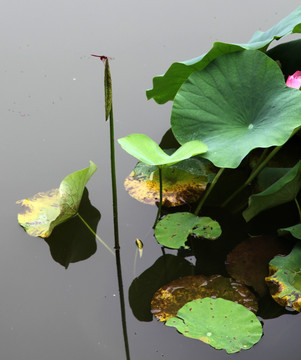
{"x": 280, "y": 192}
{"x": 237, "y": 103}
{"x": 183, "y": 183}
{"x": 172, "y": 296}
{"x": 173, "y": 230}
{"x": 166, "y": 86}
{"x": 167, "y": 268}
{"x": 44, "y": 211}
{"x": 248, "y": 262}
{"x": 284, "y": 279}
{"x": 220, "y": 323}
{"x": 146, "y": 150}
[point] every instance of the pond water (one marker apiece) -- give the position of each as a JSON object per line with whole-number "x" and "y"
{"x": 52, "y": 117}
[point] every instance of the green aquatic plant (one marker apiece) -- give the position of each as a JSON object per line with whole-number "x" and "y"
{"x": 46, "y": 210}
{"x": 146, "y": 150}
{"x": 221, "y": 323}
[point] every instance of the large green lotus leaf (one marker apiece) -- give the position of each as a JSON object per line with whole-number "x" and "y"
{"x": 238, "y": 103}
{"x": 45, "y": 210}
{"x": 281, "y": 192}
{"x": 183, "y": 183}
{"x": 248, "y": 262}
{"x": 284, "y": 280}
{"x": 294, "y": 230}
{"x": 173, "y": 230}
{"x": 166, "y": 86}
{"x": 146, "y": 150}
{"x": 167, "y": 268}
{"x": 171, "y": 297}
{"x": 221, "y": 323}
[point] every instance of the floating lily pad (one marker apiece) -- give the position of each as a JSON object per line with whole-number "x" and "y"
{"x": 146, "y": 150}
{"x": 284, "y": 279}
{"x": 237, "y": 103}
{"x": 173, "y": 230}
{"x": 45, "y": 210}
{"x": 166, "y": 86}
{"x": 142, "y": 289}
{"x": 280, "y": 192}
{"x": 183, "y": 183}
{"x": 220, "y": 323}
{"x": 248, "y": 262}
{"x": 294, "y": 230}
{"x": 172, "y": 296}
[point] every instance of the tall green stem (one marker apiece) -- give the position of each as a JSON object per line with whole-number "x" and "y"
{"x": 208, "y": 191}
{"x": 93, "y": 232}
{"x": 298, "y": 207}
{"x": 109, "y": 113}
{"x": 161, "y": 196}
{"x": 254, "y": 173}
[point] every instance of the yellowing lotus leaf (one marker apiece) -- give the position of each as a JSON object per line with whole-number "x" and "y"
{"x": 45, "y": 210}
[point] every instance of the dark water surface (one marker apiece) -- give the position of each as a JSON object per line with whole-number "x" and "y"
{"x": 52, "y": 120}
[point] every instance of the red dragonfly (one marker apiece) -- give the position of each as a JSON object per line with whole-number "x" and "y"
{"x": 103, "y": 58}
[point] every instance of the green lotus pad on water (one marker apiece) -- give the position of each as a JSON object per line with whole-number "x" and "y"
{"x": 173, "y": 230}
{"x": 167, "y": 300}
{"x": 220, "y": 323}
{"x": 45, "y": 210}
{"x": 285, "y": 279}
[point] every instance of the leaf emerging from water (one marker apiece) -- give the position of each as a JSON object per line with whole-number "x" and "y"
{"x": 280, "y": 192}
{"x": 45, "y": 210}
{"x": 220, "y": 323}
{"x": 172, "y": 296}
{"x": 284, "y": 280}
{"x": 173, "y": 230}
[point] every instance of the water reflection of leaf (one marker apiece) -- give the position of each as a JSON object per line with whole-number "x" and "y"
{"x": 248, "y": 261}
{"x": 142, "y": 289}
{"x": 73, "y": 242}
{"x": 284, "y": 279}
{"x": 220, "y": 323}
{"x": 172, "y": 296}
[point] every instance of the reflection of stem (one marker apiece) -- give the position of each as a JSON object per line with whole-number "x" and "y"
{"x": 298, "y": 207}
{"x": 161, "y": 196}
{"x": 208, "y": 191}
{"x": 116, "y": 237}
{"x": 93, "y": 232}
{"x": 254, "y": 173}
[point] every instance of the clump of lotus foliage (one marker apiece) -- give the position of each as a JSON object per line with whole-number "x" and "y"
{"x": 230, "y": 161}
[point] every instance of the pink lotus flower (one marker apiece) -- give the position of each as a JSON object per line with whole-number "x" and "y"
{"x": 294, "y": 81}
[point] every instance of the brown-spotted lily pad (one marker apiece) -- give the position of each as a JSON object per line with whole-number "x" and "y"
{"x": 284, "y": 280}
{"x": 248, "y": 262}
{"x": 183, "y": 183}
{"x": 171, "y": 297}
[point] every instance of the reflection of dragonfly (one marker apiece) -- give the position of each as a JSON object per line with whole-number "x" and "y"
{"x": 103, "y": 58}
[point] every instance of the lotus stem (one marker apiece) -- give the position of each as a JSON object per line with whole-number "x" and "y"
{"x": 298, "y": 207}
{"x": 161, "y": 196}
{"x": 208, "y": 191}
{"x": 254, "y": 173}
{"x": 98, "y": 238}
